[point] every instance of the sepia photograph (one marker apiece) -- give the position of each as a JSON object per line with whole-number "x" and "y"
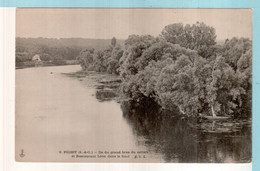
{"x": 125, "y": 85}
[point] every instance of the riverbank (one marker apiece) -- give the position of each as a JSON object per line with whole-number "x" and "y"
{"x": 31, "y": 64}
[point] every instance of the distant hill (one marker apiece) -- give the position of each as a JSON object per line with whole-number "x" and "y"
{"x": 67, "y": 42}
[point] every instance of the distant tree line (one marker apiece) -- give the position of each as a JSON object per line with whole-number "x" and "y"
{"x": 54, "y": 51}
{"x": 183, "y": 68}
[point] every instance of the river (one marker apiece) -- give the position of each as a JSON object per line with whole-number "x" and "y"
{"x": 58, "y": 118}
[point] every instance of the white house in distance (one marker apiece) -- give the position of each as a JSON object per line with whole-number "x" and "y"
{"x": 36, "y": 58}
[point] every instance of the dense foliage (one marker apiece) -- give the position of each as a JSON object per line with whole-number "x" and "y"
{"x": 183, "y": 68}
{"x": 106, "y": 60}
{"x": 199, "y": 37}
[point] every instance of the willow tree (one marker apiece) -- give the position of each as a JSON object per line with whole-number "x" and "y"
{"x": 113, "y": 60}
{"x": 85, "y": 58}
{"x": 175, "y": 87}
{"x": 198, "y": 36}
{"x": 113, "y": 41}
{"x": 99, "y": 61}
{"x": 135, "y": 46}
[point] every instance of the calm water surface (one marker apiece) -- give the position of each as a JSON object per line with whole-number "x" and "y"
{"x": 57, "y": 113}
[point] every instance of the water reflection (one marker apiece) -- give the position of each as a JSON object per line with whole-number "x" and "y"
{"x": 186, "y": 140}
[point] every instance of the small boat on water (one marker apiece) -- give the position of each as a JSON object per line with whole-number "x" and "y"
{"x": 216, "y": 117}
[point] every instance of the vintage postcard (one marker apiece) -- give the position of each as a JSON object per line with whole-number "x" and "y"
{"x": 133, "y": 85}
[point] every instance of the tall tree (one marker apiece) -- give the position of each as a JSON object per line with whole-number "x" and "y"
{"x": 85, "y": 58}
{"x": 135, "y": 46}
{"x": 199, "y": 37}
{"x": 113, "y": 42}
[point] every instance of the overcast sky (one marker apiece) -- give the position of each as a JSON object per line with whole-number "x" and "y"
{"x": 106, "y": 23}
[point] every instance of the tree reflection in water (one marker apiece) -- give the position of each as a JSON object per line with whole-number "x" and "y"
{"x": 179, "y": 139}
